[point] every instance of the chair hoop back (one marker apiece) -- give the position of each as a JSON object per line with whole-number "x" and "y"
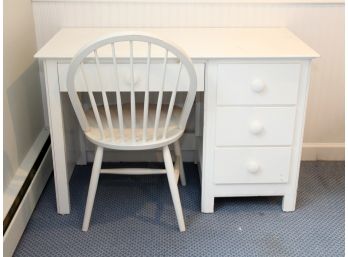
{"x": 90, "y": 51}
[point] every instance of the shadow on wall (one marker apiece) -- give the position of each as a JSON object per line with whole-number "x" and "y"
{"x": 8, "y": 168}
{"x": 23, "y": 118}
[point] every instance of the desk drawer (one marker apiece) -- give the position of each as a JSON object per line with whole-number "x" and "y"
{"x": 258, "y": 84}
{"x": 139, "y": 77}
{"x": 254, "y": 126}
{"x": 252, "y": 165}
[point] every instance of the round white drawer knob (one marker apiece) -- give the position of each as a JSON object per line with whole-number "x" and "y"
{"x": 258, "y": 85}
{"x": 253, "y": 167}
{"x": 256, "y": 127}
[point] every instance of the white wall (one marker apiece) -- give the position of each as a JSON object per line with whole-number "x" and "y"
{"x": 23, "y": 112}
{"x": 318, "y": 23}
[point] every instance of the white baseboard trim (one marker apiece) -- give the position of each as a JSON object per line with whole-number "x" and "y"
{"x": 310, "y": 152}
{"x": 323, "y": 152}
{"x": 19, "y": 221}
{"x": 12, "y": 190}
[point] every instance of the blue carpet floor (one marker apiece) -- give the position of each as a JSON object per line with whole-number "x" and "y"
{"x": 134, "y": 216}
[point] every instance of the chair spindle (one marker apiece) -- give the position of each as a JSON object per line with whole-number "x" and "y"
{"x": 104, "y": 96}
{"x": 146, "y": 96}
{"x": 132, "y": 98}
{"x": 171, "y": 103}
{"x": 118, "y": 93}
{"x": 160, "y": 96}
{"x": 93, "y": 103}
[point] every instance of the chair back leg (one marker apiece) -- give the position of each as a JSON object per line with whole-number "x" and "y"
{"x": 178, "y": 155}
{"x": 173, "y": 187}
{"x": 92, "y": 187}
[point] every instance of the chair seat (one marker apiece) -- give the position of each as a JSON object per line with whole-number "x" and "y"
{"x": 173, "y": 131}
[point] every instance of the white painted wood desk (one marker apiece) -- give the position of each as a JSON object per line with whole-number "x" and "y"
{"x": 255, "y": 83}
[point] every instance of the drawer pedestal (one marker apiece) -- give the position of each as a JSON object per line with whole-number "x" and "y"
{"x": 252, "y": 138}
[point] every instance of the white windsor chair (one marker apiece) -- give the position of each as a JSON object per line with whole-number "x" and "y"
{"x": 127, "y": 125}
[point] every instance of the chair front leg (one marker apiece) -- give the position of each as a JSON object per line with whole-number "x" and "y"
{"x": 168, "y": 162}
{"x": 178, "y": 155}
{"x": 92, "y": 187}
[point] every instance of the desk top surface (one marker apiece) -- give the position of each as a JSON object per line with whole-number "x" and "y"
{"x": 199, "y": 43}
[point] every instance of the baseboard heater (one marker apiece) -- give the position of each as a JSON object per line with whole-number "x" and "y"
{"x": 24, "y": 202}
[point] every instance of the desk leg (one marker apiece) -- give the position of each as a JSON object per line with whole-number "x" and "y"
{"x": 57, "y": 137}
{"x": 197, "y": 125}
{"x": 209, "y": 109}
{"x": 207, "y": 204}
{"x": 289, "y": 199}
{"x": 289, "y": 202}
{"x": 82, "y": 160}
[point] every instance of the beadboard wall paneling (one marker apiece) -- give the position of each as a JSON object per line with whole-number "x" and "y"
{"x": 319, "y": 25}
